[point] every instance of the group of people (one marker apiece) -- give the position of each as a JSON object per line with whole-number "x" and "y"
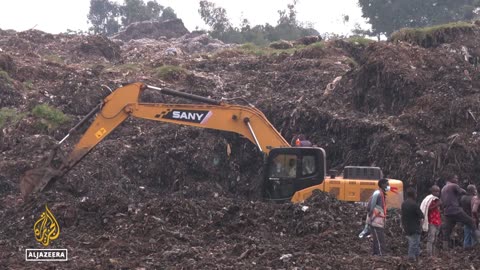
{"x": 455, "y": 204}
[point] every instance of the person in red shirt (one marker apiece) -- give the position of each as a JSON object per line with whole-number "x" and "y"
{"x": 430, "y": 207}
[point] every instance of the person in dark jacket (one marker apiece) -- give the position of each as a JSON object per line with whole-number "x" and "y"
{"x": 301, "y": 140}
{"x": 412, "y": 219}
{"x": 453, "y": 212}
{"x": 466, "y": 203}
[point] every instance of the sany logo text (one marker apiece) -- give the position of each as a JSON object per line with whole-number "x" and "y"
{"x": 188, "y": 115}
{"x": 192, "y": 116}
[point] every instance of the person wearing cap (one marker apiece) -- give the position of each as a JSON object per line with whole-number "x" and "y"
{"x": 377, "y": 215}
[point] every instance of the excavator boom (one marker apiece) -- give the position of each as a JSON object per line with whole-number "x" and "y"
{"x": 124, "y": 102}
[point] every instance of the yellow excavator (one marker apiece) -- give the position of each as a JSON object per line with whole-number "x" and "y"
{"x": 291, "y": 173}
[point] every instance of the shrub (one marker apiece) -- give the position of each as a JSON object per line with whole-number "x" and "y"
{"x": 4, "y": 75}
{"x": 359, "y": 40}
{"x": 28, "y": 84}
{"x": 433, "y": 36}
{"x": 11, "y": 115}
{"x": 54, "y": 59}
{"x": 169, "y": 72}
{"x": 50, "y": 118}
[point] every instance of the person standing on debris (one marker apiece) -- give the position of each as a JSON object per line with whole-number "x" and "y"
{"x": 466, "y": 203}
{"x": 453, "y": 213}
{"x": 430, "y": 207}
{"x": 301, "y": 140}
{"x": 475, "y": 209}
{"x": 412, "y": 218}
{"x": 377, "y": 215}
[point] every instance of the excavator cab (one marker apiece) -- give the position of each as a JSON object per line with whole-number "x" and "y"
{"x": 291, "y": 169}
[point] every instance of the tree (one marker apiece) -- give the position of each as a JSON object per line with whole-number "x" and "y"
{"x": 168, "y": 14}
{"x": 387, "y": 16}
{"x": 137, "y": 11}
{"x": 215, "y": 17}
{"x": 288, "y": 27}
{"x": 291, "y": 17}
{"x": 103, "y": 16}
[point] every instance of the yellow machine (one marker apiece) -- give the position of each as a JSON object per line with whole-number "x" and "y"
{"x": 288, "y": 170}
{"x": 357, "y": 184}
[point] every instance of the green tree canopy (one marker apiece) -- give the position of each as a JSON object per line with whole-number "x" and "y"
{"x": 168, "y": 14}
{"x": 137, "y": 11}
{"x": 387, "y": 16}
{"x": 105, "y": 15}
{"x": 215, "y": 17}
{"x": 288, "y": 27}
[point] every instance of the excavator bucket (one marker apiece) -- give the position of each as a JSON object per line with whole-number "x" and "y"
{"x": 37, "y": 179}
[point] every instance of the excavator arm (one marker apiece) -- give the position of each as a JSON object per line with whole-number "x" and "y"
{"x": 124, "y": 102}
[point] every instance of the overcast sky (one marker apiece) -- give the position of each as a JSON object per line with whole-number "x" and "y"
{"x": 55, "y": 16}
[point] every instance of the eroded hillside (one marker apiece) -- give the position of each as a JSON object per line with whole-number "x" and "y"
{"x": 155, "y": 195}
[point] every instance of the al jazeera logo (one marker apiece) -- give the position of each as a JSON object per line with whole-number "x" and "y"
{"x": 46, "y": 229}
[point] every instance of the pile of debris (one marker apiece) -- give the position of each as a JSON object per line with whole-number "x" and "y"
{"x": 155, "y": 195}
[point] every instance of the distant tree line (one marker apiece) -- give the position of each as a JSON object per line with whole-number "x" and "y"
{"x": 287, "y": 28}
{"x": 107, "y": 17}
{"x": 387, "y": 16}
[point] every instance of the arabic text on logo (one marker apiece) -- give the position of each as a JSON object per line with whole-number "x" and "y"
{"x": 46, "y": 228}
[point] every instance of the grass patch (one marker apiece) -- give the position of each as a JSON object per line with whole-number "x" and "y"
{"x": 433, "y": 35}
{"x": 359, "y": 40}
{"x": 4, "y": 75}
{"x": 28, "y": 84}
{"x": 54, "y": 58}
{"x": 9, "y": 115}
{"x": 250, "y": 48}
{"x": 318, "y": 44}
{"x": 50, "y": 118}
{"x": 169, "y": 72}
{"x": 129, "y": 67}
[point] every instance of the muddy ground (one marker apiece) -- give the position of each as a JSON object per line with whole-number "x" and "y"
{"x": 160, "y": 196}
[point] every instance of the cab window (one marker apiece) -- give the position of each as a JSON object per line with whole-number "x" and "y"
{"x": 284, "y": 166}
{"x": 308, "y": 165}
